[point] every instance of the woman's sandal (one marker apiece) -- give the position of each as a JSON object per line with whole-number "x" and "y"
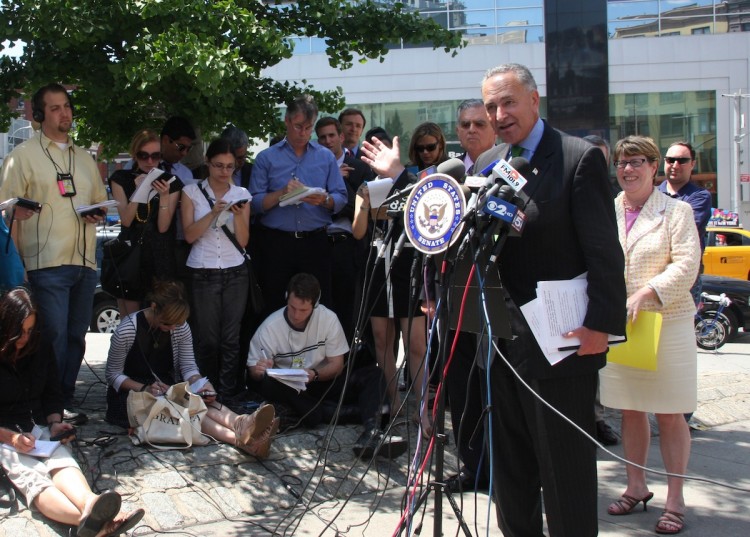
{"x": 626, "y": 504}
{"x": 98, "y": 513}
{"x": 670, "y": 522}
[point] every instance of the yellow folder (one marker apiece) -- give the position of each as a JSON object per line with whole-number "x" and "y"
{"x": 641, "y": 348}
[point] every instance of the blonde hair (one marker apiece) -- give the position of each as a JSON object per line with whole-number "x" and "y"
{"x": 141, "y": 138}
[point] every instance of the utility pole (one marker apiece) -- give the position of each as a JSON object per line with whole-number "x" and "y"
{"x": 739, "y": 124}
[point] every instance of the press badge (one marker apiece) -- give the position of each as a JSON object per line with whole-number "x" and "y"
{"x": 65, "y": 185}
{"x": 298, "y": 362}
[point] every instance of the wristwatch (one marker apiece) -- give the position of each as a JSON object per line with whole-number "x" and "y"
{"x": 328, "y": 198}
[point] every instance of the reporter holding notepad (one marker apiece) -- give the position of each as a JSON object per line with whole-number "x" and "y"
{"x": 662, "y": 256}
{"x": 31, "y": 400}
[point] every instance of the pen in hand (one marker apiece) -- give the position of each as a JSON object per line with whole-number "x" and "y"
{"x": 27, "y": 439}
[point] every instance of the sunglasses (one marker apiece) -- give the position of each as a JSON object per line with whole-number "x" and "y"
{"x": 426, "y": 147}
{"x": 142, "y": 155}
{"x": 182, "y": 148}
{"x": 681, "y": 160}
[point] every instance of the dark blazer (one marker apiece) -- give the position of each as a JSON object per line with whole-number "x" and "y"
{"x": 357, "y": 176}
{"x": 570, "y": 229}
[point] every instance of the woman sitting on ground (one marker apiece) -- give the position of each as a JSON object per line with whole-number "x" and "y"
{"x": 153, "y": 349}
{"x": 30, "y": 395}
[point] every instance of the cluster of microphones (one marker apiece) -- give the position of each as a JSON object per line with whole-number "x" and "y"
{"x": 494, "y": 210}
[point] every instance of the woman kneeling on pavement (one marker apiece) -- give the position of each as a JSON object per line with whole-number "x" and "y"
{"x": 153, "y": 349}
{"x": 29, "y": 395}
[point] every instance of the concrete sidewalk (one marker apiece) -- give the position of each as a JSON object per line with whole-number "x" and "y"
{"x": 217, "y": 490}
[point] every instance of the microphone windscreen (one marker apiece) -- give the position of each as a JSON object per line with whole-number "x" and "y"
{"x": 522, "y": 166}
{"x": 453, "y": 167}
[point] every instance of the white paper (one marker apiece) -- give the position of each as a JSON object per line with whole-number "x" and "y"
{"x": 294, "y": 378}
{"x": 42, "y": 448}
{"x": 198, "y": 385}
{"x": 297, "y": 198}
{"x": 101, "y": 205}
{"x": 8, "y": 203}
{"x": 533, "y": 312}
{"x": 145, "y": 192}
{"x": 379, "y": 189}
{"x": 224, "y": 216}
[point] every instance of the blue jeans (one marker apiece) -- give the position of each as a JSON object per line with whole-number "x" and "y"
{"x": 219, "y": 297}
{"x": 65, "y": 299}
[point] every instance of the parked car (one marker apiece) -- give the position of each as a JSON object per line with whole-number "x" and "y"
{"x": 727, "y": 252}
{"x": 105, "y": 316}
{"x": 738, "y": 312}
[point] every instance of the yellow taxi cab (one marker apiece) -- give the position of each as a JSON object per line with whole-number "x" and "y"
{"x": 727, "y": 252}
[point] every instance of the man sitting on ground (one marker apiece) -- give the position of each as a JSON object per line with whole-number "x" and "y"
{"x": 307, "y": 336}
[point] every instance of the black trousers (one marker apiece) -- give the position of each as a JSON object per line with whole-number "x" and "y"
{"x": 365, "y": 389}
{"x": 535, "y": 452}
{"x": 344, "y": 280}
{"x": 463, "y": 384}
{"x": 282, "y": 256}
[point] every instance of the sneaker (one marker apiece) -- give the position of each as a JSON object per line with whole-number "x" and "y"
{"x": 605, "y": 434}
{"x": 373, "y": 442}
{"x": 74, "y": 418}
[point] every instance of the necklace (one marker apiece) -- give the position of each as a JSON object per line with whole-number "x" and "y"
{"x": 143, "y": 219}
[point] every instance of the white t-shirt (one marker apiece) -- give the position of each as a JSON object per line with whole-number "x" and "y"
{"x": 298, "y": 349}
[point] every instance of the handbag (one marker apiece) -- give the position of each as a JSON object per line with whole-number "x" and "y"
{"x": 255, "y": 303}
{"x": 171, "y": 421}
{"x": 121, "y": 274}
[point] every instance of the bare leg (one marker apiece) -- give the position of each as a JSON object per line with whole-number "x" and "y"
{"x": 417, "y": 348}
{"x": 219, "y": 423}
{"x": 384, "y": 333}
{"x": 674, "y": 441}
{"x": 66, "y": 500}
{"x": 635, "y": 439}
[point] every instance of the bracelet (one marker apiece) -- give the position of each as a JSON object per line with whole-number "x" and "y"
{"x": 316, "y": 374}
{"x": 163, "y": 206}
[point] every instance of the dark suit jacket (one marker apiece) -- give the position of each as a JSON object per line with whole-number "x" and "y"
{"x": 357, "y": 176}
{"x": 570, "y": 229}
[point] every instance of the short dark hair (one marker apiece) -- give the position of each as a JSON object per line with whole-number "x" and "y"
{"x": 381, "y": 134}
{"x": 326, "y": 121}
{"x": 597, "y": 140}
{"x": 303, "y": 104}
{"x": 304, "y": 286}
{"x": 353, "y": 112}
{"x": 176, "y": 127}
{"x": 235, "y": 136}
{"x": 172, "y": 306}
{"x": 686, "y": 145}
{"x": 37, "y": 100}
{"x": 220, "y": 146}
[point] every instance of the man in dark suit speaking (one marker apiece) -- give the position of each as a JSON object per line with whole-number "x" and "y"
{"x": 570, "y": 229}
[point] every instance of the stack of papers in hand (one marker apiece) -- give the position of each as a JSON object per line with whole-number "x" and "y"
{"x": 559, "y": 307}
{"x": 294, "y": 378}
{"x": 295, "y": 197}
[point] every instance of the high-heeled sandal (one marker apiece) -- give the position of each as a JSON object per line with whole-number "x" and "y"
{"x": 625, "y": 504}
{"x": 670, "y": 522}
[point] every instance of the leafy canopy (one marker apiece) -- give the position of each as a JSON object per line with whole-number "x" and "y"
{"x": 137, "y": 62}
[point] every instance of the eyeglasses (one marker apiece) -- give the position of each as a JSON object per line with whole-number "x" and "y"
{"x": 634, "y": 163}
{"x": 681, "y": 160}
{"x": 220, "y": 166}
{"x": 142, "y": 155}
{"x": 182, "y": 148}
{"x": 426, "y": 147}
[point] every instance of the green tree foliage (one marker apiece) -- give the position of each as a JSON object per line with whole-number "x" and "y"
{"x": 136, "y": 62}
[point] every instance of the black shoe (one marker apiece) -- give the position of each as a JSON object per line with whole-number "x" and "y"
{"x": 372, "y": 442}
{"x": 464, "y": 481}
{"x": 75, "y": 418}
{"x": 605, "y": 434}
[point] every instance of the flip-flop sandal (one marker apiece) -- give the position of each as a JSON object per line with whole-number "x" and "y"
{"x": 131, "y": 521}
{"x": 98, "y": 513}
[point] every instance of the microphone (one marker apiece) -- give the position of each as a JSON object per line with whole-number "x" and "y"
{"x": 399, "y": 245}
{"x": 513, "y": 172}
{"x": 453, "y": 167}
{"x": 498, "y": 208}
{"x": 386, "y": 241}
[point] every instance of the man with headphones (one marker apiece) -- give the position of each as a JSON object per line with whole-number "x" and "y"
{"x": 308, "y": 336}
{"x": 57, "y": 244}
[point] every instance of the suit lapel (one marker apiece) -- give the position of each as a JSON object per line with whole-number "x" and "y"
{"x": 651, "y": 216}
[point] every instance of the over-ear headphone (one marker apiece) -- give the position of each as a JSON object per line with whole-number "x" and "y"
{"x": 317, "y": 300}
{"x": 37, "y": 100}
